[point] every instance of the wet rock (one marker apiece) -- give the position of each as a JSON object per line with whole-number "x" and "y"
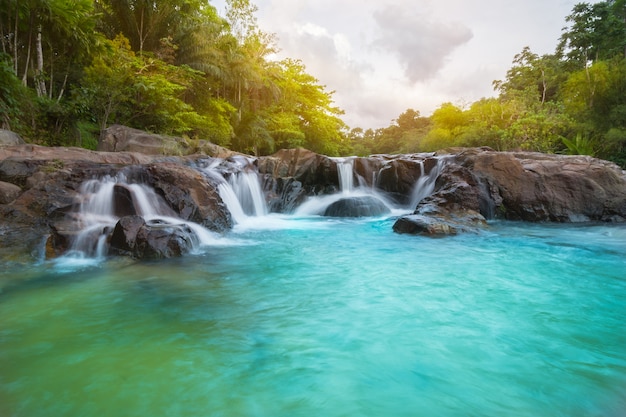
{"x": 440, "y": 224}
{"x": 190, "y": 195}
{"x": 123, "y": 201}
{"x": 134, "y": 237}
{"x": 361, "y": 206}
{"x": 124, "y": 236}
{"x": 317, "y": 174}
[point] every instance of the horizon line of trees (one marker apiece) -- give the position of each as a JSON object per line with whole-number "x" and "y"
{"x": 70, "y": 68}
{"x": 571, "y": 101}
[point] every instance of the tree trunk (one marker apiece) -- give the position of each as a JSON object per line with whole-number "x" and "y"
{"x": 39, "y": 81}
{"x": 30, "y": 42}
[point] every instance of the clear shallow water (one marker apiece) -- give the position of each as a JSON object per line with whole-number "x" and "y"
{"x": 319, "y": 317}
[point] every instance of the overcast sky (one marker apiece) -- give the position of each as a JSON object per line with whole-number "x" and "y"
{"x": 383, "y": 57}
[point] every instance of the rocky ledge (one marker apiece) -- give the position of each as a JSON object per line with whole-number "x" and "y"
{"x": 41, "y": 189}
{"x": 481, "y": 184}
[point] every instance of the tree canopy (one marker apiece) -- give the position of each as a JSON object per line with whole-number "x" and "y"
{"x": 70, "y": 68}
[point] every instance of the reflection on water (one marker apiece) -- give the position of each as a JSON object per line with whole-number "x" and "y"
{"x": 321, "y": 317}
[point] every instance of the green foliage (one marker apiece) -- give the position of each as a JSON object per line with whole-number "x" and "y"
{"x": 581, "y": 145}
{"x": 71, "y": 68}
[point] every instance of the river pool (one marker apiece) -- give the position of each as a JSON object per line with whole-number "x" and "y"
{"x": 325, "y": 317}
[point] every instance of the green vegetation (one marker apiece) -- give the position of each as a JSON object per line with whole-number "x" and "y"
{"x": 69, "y": 68}
{"x": 572, "y": 101}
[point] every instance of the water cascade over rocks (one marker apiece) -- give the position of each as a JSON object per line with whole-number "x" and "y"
{"x": 118, "y": 217}
{"x": 239, "y": 186}
{"x": 361, "y": 201}
{"x": 79, "y": 202}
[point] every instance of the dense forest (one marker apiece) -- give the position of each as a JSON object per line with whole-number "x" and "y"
{"x": 69, "y": 68}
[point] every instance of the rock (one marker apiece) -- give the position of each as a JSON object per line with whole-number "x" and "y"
{"x": 295, "y": 174}
{"x": 190, "y": 195}
{"x": 118, "y": 138}
{"x": 362, "y": 206}
{"x": 8, "y": 192}
{"x": 9, "y": 138}
{"x": 56, "y": 157}
{"x": 538, "y": 187}
{"x": 123, "y": 201}
{"x": 466, "y": 221}
{"x": 399, "y": 174}
{"x": 134, "y": 237}
{"x": 124, "y": 236}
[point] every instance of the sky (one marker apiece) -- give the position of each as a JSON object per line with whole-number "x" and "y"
{"x": 383, "y": 57}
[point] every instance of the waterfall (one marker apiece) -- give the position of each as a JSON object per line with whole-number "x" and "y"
{"x": 106, "y": 200}
{"x": 350, "y": 201}
{"x": 246, "y": 186}
{"x": 242, "y": 192}
{"x": 345, "y": 170}
{"x": 425, "y": 184}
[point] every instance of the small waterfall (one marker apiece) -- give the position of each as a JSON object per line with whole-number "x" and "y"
{"x": 351, "y": 201}
{"x": 106, "y": 200}
{"x": 246, "y": 186}
{"x": 345, "y": 170}
{"x": 425, "y": 184}
{"x": 242, "y": 192}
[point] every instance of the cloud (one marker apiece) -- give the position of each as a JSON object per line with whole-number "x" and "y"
{"x": 420, "y": 44}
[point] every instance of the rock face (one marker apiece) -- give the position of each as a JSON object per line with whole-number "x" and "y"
{"x": 40, "y": 192}
{"x": 519, "y": 186}
{"x": 537, "y": 187}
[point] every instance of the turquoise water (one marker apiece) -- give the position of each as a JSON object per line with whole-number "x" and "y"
{"x": 323, "y": 317}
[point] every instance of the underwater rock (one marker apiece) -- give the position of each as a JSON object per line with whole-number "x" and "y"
{"x": 440, "y": 224}
{"x": 361, "y": 206}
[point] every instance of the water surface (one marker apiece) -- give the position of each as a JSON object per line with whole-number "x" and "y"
{"x": 326, "y": 317}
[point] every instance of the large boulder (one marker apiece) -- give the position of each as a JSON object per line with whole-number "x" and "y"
{"x": 135, "y": 237}
{"x": 357, "y": 206}
{"x": 539, "y": 187}
{"x": 190, "y": 195}
{"x": 9, "y": 138}
{"x": 118, "y": 138}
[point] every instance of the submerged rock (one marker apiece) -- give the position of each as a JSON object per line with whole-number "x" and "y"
{"x": 362, "y": 206}
{"x": 467, "y": 221}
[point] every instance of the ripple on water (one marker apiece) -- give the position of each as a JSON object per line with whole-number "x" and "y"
{"x": 343, "y": 319}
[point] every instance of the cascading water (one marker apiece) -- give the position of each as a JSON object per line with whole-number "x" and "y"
{"x": 246, "y": 186}
{"x": 108, "y": 199}
{"x": 351, "y": 201}
{"x": 425, "y": 185}
{"x": 345, "y": 170}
